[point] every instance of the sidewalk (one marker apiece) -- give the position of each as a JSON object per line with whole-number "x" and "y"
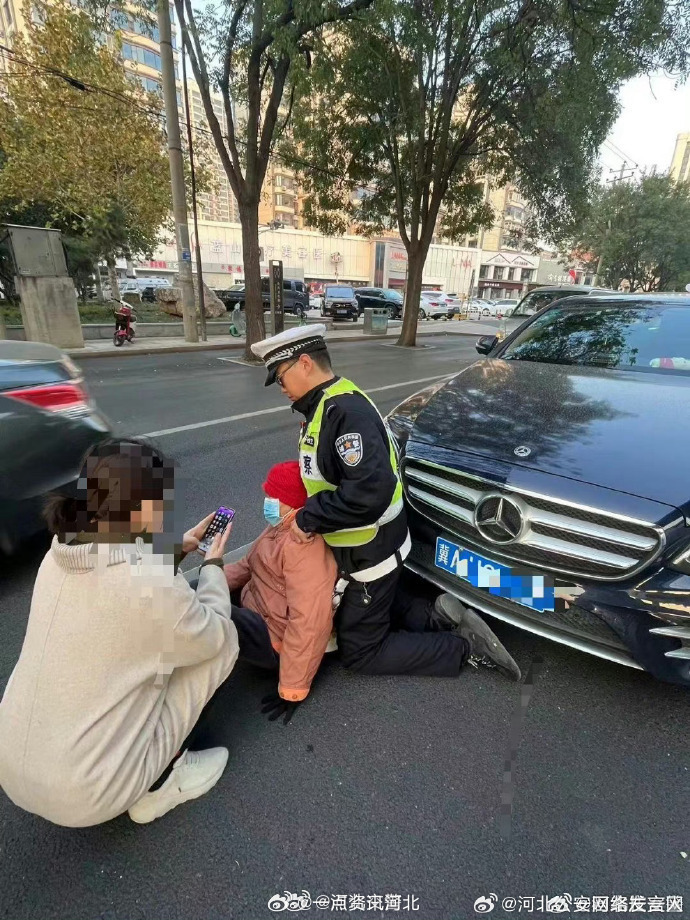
{"x": 170, "y": 345}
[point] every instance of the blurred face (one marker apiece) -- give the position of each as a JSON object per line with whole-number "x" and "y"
{"x": 150, "y": 519}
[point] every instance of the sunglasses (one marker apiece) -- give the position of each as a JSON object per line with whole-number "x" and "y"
{"x": 279, "y": 377}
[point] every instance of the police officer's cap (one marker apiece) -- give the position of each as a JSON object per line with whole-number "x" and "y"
{"x": 303, "y": 340}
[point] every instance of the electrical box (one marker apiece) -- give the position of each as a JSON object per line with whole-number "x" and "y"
{"x": 37, "y": 252}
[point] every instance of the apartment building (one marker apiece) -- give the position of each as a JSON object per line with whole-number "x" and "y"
{"x": 138, "y": 32}
{"x": 281, "y": 197}
{"x": 11, "y": 25}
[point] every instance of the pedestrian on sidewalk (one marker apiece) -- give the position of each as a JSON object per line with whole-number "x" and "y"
{"x": 349, "y": 468}
{"x": 282, "y": 595}
{"x": 120, "y": 657}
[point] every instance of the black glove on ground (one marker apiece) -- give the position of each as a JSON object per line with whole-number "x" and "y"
{"x": 275, "y": 706}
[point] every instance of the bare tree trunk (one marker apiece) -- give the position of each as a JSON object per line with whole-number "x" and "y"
{"x": 416, "y": 258}
{"x": 112, "y": 278}
{"x": 253, "y": 301}
{"x": 99, "y": 283}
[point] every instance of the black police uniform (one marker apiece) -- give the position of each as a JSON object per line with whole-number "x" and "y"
{"x": 381, "y": 629}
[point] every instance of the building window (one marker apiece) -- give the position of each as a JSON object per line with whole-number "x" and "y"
{"x": 499, "y": 272}
{"x": 483, "y": 271}
{"x": 141, "y": 55}
{"x": 511, "y": 274}
{"x": 527, "y": 274}
{"x": 279, "y": 200}
{"x": 472, "y": 244}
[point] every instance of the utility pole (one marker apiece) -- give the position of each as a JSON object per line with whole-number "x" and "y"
{"x": 190, "y": 144}
{"x": 172, "y": 125}
{"x": 621, "y": 173}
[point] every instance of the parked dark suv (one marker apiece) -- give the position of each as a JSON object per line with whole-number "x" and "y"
{"x": 339, "y": 301}
{"x": 547, "y": 483}
{"x": 295, "y": 296}
{"x": 378, "y": 298}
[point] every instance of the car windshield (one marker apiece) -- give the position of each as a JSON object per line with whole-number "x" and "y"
{"x": 393, "y": 295}
{"x": 340, "y": 292}
{"x": 537, "y": 300}
{"x": 631, "y": 336}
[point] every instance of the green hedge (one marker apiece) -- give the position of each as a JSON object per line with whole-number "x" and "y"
{"x": 99, "y": 313}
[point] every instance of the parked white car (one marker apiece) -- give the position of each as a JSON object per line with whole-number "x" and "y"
{"x": 492, "y": 307}
{"x": 435, "y": 305}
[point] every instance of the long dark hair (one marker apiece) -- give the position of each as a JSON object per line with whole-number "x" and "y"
{"x": 117, "y": 474}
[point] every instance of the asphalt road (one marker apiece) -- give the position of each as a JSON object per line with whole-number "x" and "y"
{"x": 380, "y": 785}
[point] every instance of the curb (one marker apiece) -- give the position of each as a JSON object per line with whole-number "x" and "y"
{"x": 81, "y": 354}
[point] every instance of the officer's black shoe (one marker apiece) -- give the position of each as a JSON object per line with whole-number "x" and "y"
{"x": 485, "y": 647}
{"x": 447, "y": 612}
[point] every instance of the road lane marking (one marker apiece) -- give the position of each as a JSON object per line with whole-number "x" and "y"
{"x": 259, "y": 412}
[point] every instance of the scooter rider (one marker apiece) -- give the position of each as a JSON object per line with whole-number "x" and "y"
{"x": 349, "y": 469}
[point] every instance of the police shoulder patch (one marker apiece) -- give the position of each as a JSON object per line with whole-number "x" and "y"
{"x": 349, "y": 448}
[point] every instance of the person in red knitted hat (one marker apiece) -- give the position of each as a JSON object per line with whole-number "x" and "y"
{"x": 284, "y": 482}
{"x": 283, "y": 590}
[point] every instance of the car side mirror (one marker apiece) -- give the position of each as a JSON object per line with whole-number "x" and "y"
{"x": 486, "y": 344}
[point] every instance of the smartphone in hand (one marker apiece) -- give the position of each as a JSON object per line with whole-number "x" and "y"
{"x": 220, "y": 521}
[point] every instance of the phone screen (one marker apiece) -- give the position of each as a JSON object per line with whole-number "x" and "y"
{"x": 220, "y": 521}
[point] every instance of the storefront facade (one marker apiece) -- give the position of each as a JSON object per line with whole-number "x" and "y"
{"x": 318, "y": 260}
{"x": 506, "y": 275}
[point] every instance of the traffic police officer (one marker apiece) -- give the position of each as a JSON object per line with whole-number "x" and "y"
{"x": 350, "y": 471}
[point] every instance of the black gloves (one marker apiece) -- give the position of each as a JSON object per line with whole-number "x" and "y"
{"x": 274, "y": 706}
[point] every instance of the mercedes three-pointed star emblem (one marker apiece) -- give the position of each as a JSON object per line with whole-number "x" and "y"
{"x": 499, "y": 519}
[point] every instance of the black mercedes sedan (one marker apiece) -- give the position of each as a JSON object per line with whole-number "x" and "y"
{"x": 548, "y": 486}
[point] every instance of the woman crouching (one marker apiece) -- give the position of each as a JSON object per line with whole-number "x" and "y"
{"x": 120, "y": 656}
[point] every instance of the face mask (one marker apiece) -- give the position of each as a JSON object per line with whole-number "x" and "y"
{"x": 272, "y": 511}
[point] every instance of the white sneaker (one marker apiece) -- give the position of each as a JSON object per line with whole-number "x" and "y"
{"x": 193, "y": 774}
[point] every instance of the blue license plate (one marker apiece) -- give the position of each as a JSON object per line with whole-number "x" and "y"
{"x": 524, "y": 588}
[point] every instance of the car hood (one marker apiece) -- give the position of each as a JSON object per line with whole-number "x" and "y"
{"x": 626, "y": 431}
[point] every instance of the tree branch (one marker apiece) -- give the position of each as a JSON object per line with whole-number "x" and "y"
{"x": 227, "y": 73}
{"x": 192, "y": 43}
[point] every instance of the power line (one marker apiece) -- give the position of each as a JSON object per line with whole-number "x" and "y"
{"x": 620, "y": 153}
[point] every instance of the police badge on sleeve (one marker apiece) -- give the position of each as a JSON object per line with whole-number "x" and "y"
{"x": 349, "y": 448}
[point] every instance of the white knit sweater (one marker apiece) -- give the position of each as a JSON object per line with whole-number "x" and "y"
{"x": 119, "y": 658}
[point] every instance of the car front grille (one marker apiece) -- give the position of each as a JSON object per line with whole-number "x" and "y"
{"x": 555, "y": 535}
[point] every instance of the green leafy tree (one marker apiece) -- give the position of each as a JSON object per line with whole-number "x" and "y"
{"x": 639, "y": 232}
{"x": 78, "y": 134}
{"x": 255, "y": 53}
{"x": 418, "y": 99}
